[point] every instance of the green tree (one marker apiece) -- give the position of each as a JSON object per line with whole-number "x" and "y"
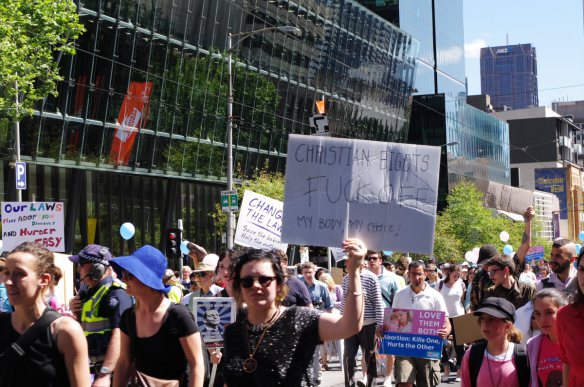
{"x": 466, "y": 223}
{"x": 33, "y": 36}
{"x": 270, "y": 184}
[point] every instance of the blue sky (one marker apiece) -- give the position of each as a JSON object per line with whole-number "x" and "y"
{"x": 554, "y": 27}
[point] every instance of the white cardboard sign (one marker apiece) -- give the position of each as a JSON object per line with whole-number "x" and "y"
{"x": 41, "y": 222}
{"x": 382, "y": 193}
{"x": 260, "y": 222}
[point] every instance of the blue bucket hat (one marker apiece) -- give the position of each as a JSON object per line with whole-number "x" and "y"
{"x": 147, "y": 264}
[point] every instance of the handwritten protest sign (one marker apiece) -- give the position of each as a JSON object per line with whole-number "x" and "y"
{"x": 41, "y": 222}
{"x": 382, "y": 193}
{"x": 409, "y": 332}
{"x": 212, "y": 315}
{"x": 260, "y": 222}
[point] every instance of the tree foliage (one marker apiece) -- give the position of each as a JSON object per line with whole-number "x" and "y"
{"x": 270, "y": 184}
{"x": 466, "y": 223}
{"x": 33, "y": 34}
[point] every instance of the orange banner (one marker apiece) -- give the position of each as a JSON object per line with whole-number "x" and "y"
{"x": 133, "y": 116}
{"x": 320, "y": 107}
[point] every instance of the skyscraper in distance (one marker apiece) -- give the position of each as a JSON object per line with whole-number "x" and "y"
{"x": 509, "y": 76}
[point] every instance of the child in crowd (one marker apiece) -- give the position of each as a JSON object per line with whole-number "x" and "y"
{"x": 544, "y": 350}
{"x": 498, "y": 362}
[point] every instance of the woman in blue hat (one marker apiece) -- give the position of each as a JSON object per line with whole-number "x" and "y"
{"x": 159, "y": 339}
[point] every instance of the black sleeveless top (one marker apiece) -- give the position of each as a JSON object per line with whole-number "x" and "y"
{"x": 42, "y": 365}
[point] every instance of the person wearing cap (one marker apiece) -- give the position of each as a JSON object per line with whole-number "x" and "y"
{"x": 505, "y": 284}
{"x": 481, "y": 281}
{"x": 99, "y": 305}
{"x": 563, "y": 275}
{"x": 159, "y": 339}
{"x": 501, "y": 360}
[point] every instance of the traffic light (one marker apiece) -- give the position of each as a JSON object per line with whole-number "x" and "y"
{"x": 172, "y": 238}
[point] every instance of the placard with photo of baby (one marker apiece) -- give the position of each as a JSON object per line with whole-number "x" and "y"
{"x": 410, "y": 332}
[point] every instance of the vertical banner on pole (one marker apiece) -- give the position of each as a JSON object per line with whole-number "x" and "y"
{"x": 133, "y": 116}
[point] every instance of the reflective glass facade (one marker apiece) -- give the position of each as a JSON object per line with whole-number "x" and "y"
{"x": 146, "y": 93}
{"x": 509, "y": 76}
{"x": 482, "y": 149}
{"x": 438, "y": 26}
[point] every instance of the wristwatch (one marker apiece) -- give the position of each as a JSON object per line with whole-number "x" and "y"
{"x": 106, "y": 371}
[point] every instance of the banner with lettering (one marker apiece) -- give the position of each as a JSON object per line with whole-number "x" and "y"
{"x": 382, "y": 193}
{"x": 412, "y": 333}
{"x": 133, "y": 116}
{"x": 553, "y": 180}
{"x": 260, "y": 222}
{"x": 41, "y": 222}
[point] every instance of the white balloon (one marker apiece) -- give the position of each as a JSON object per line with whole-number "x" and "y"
{"x": 504, "y": 236}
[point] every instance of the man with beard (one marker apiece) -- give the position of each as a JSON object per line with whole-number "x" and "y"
{"x": 563, "y": 271}
{"x": 419, "y": 295}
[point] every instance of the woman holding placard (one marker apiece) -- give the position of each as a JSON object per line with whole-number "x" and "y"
{"x": 274, "y": 345}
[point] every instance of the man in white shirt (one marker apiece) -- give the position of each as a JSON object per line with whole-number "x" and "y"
{"x": 418, "y": 295}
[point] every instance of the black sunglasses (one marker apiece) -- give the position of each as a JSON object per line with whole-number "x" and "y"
{"x": 372, "y": 258}
{"x": 264, "y": 281}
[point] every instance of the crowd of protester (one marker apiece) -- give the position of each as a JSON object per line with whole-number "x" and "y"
{"x": 131, "y": 321}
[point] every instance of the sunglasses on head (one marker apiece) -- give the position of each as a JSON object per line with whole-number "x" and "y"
{"x": 264, "y": 281}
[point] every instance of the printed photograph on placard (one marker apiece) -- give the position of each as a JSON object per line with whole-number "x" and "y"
{"x": 212, "y": 315}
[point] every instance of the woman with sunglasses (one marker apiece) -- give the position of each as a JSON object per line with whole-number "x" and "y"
{"x": 274, "y": 345}
{"x": 58, "y": 354}
{"x": 159, "y": 339}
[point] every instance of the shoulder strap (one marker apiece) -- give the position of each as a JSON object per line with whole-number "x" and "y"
{"x": 521, "y": 365}
{"x": 19, "y": 348}
{"x": 546, "y": 283}
{"x": 475, "y": 359}
{"x": 440, "y": 285}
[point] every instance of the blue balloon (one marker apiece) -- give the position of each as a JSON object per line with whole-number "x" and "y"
{"x": 507, "y": 250}
{"x": 581, "y": 236}
{"x": 578, "y": 248}
{"x": 388, "y": 252}
{"x": 183, "y": 247}
{"x": 127, "y": 230}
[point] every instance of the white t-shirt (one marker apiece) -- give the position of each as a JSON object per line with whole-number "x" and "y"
{"x": 453, "y": 297}
{"x": 428, "y": 299}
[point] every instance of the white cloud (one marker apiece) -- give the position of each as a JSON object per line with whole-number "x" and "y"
{"x": 472, "y": 50}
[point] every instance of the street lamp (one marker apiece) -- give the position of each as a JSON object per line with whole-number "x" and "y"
{"x": 230, "y": 36}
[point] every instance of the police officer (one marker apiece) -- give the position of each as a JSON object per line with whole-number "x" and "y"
{"x": 99, "y": 305}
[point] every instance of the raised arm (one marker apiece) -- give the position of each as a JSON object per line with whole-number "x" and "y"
{"x": 526, "y": 237}
{"x": 332, "y": 327}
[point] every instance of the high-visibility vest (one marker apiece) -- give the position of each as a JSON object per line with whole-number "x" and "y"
{"x": 91, "y": 322}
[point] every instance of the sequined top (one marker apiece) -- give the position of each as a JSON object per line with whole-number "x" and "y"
{"x": 284, "y": 356}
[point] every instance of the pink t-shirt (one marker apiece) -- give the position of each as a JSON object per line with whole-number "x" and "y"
{"x": 494, "y": 372}
{"x": 549, "y": 364}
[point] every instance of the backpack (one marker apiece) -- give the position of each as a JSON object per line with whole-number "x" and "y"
{"x": 475, "y": 359}
{"x": 547, "y": 284}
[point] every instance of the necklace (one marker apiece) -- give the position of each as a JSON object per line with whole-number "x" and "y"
{"x": 250, "y": 364}
{"x": 489, "y": 366}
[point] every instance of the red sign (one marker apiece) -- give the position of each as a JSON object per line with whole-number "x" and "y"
{"x": 133, "y": 116}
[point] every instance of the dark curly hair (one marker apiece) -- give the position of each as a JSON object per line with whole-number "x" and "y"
{"x": 258, "y": 255}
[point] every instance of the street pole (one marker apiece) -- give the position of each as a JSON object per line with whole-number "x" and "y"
{"x": 229, "y": 138}
{"x": 17, "y": 143}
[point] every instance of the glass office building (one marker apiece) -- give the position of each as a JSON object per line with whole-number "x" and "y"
{"x": 438, "y": 26}
{"x": 479, "y": 148}
{"x": 138, "y": 130}
{"x": 509, "y": 76}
